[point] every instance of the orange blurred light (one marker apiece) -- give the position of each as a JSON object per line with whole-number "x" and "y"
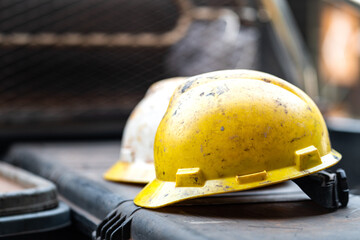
{"x": 339, "y": 45}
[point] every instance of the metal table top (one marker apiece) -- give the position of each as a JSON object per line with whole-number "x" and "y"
{"x": 77, "y": 169}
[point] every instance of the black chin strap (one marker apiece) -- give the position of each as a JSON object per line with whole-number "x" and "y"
{"x": 330, "y": 190}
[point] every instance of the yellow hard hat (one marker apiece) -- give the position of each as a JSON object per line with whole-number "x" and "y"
{"x": 136, "y": 162}
{"x": 234, "y": 130}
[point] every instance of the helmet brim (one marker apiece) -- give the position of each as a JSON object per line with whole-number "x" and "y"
{"x": 163, "y": 193}
{"x": 140, "y": 172}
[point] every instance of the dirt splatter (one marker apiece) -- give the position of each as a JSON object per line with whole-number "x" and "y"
{"x": 234, "y": 137}
{"x": 222, "y": 89}
{"x": 278, "y": 102}
{"x": 297, "y": 138}
{"x": 187, "y": 85}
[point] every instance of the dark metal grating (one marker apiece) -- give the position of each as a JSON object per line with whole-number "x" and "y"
{"x": 91, "y": 61}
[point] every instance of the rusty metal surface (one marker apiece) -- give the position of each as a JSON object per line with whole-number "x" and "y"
{"x": 185, "y": 9}
{"x": 88, "y": 161}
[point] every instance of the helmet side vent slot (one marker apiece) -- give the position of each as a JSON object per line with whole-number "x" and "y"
{"x": 253, "y": 177}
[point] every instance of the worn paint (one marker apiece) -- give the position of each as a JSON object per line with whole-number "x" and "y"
{"x": 186, "y": 86}
{"x": 233, "y": 133}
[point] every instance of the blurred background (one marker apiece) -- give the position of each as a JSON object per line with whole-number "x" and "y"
{"x": 71, "y": 72}
{"x": 74, "y": 69}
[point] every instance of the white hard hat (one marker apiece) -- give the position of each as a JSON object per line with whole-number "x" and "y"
{"x": 137, "y": 148}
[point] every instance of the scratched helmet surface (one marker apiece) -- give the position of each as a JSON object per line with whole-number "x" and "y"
{"x": 136, "y": 162}
{"x": 234, "y": 130}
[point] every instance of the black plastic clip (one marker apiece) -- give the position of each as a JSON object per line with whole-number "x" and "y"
{"x": 327, "y": 189}
{"x": 343, "y": 187}
{"x": 116, "y": 225}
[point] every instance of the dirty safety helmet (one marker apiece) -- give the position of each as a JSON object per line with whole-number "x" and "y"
{"x": 233, "y": 130}
{"x": 136, "y": 162}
